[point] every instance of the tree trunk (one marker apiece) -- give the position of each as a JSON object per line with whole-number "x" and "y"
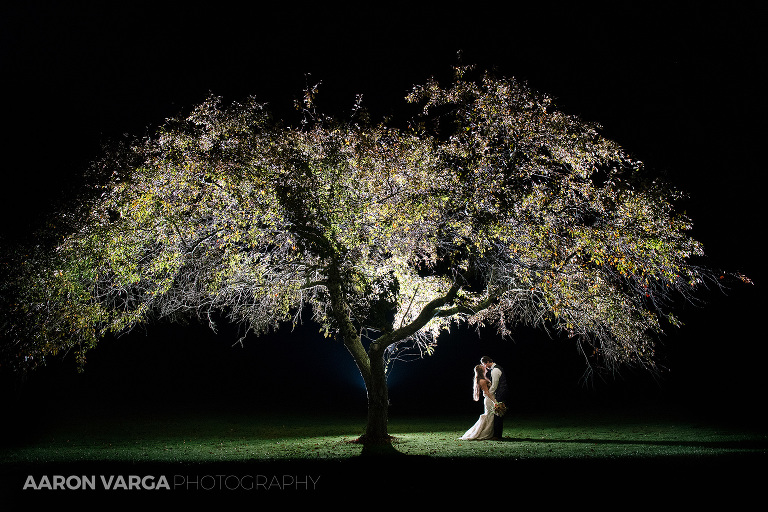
{"x": 378, "y": 399}
{"x": 371, "y": 365}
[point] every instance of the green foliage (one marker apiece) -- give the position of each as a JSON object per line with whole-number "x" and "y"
{"x": 494, "y": 208}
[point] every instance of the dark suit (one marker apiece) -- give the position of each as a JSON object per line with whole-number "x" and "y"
{"x": 500, "y": 394}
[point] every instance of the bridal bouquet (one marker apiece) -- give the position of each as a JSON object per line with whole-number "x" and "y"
{"x": 499, "y": 409}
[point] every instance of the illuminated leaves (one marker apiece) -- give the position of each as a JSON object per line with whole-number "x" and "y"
{"x": 500, "y": 210}
{"x": 565, "y": 229}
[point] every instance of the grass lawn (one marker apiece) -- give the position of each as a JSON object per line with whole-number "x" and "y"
{"x": 639, "y": 453}
{"x": 189, "y": 437}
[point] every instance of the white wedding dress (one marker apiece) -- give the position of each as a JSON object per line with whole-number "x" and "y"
{"x": 483, "y": 428}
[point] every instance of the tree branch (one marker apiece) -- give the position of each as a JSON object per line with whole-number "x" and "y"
{"x": 463, "y": 308}
{"x": 349, "y": 335}
{"x": 427, "y": 313}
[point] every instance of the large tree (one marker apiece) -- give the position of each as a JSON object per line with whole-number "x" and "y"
{"x": 493, "y": 208}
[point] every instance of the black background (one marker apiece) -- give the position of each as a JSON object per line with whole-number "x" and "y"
{"x": 680, "y": 87}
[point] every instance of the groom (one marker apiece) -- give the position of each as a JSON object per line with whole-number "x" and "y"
{"x": 498, "y": 378}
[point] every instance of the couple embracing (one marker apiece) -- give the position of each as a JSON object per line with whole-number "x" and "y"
{"x": 489, "y": 382}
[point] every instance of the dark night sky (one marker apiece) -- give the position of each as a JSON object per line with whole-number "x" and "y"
{"x": 679, "y": 87}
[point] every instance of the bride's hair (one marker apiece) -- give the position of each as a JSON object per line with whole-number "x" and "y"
{"x": 477, "y": 393}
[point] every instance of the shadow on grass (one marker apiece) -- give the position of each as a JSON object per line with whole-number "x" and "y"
{"x": 747, "y": 444}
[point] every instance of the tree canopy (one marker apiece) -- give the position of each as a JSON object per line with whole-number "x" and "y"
{"x": 491, "y": 208}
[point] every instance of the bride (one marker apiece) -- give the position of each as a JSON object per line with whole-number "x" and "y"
{"x": 483, "y": 428}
